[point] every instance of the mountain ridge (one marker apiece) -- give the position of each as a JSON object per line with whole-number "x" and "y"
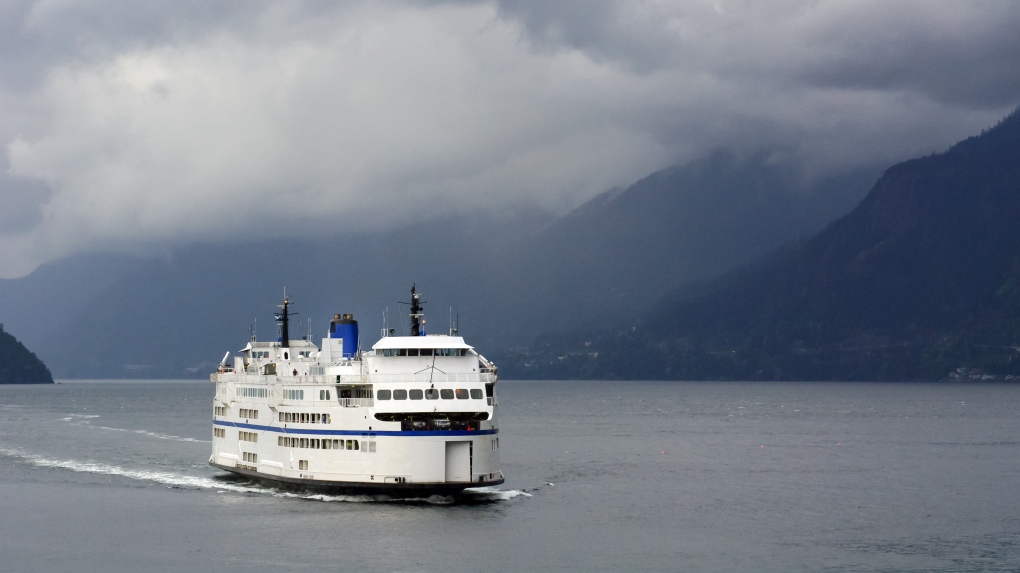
{"x": 508, "y": 276}
{"x": 918, "y": 282}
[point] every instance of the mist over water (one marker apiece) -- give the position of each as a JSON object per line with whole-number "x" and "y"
{"x": 601, "y": 476}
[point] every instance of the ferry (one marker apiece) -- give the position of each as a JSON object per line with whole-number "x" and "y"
{"x": 413, "y": 416}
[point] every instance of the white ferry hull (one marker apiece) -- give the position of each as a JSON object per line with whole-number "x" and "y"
{"x": 386, "y": 462}
{"x": 314, "y": 485}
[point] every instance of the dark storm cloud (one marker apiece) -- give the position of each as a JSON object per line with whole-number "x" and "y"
{"x": 129, "y": 122}
{"x": 955, "y": 52}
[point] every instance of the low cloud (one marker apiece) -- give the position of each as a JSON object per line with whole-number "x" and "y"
{"x": 129, "y": 126}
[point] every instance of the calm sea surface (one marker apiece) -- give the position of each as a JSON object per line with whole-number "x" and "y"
{"x": 601, "y": 476}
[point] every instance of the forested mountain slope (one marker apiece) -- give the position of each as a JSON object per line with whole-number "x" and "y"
{"x": 920, "y": 280}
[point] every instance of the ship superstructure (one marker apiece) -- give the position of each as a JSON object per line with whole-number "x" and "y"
{"x": 414, "y": 415}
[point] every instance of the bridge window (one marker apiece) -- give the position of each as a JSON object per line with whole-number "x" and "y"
{"x": 382, "y": 394}
{"x": 476, "y": 393}
{"x": 432, "y": 394}
{"x": 424, "y": 352}
{"x": 446, "y": 394}
{"x": 416, "y": 394}
{"x": 462, "y": 394}
{"x": 400, "y": 394}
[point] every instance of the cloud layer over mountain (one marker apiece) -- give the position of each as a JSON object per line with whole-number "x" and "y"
{"x": 130, "y": 124}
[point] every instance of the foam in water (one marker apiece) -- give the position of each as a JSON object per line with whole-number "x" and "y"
{"x": 494, "y": 494}
{"x": 166, "y": 478}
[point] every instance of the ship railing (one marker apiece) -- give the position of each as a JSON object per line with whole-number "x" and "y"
{"x": 431, "y": 377}
{"x": 356, "y": 402}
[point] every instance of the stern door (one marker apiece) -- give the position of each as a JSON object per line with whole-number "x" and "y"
{"x": 458, "y": 461}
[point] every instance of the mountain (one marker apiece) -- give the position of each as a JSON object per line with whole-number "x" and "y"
{"x": 506, "y": 276}
{"x": 920, "y": 281}
{"x": 18, "y": 365}
{"x": 621, "y": 251}
{"x": 173, "y": 316}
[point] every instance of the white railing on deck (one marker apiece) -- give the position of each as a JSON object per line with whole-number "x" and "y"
{"x": 427, "y": 377}
{"x": 359, "y": 379}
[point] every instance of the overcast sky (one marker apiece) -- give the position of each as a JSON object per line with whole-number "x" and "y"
{"x": 127, "y": 123}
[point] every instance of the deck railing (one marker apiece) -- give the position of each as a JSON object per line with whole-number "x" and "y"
{"x": 426, "y": 377}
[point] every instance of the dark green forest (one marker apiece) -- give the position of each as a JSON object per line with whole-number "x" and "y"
{"x": 18, "y": 365}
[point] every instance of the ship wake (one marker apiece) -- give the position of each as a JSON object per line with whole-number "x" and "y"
{"x": 82, "y": 421}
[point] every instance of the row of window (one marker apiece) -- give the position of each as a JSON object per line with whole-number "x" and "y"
{"x": 249, "y": 413}
{"x": 220, "y": 410}
{"x": 430, "y": 394}
{"x": 307, "y": 443}
{"x": 260, "y": 354}
{"x": 494, "y": 444}
{"x": 425, "y": 352}
{"x": 304, "y": 418}
{"x": 325, "y": 444}
{"x": 244, "y": 392}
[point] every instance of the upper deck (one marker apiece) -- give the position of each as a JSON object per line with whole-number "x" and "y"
{"x": 418, "y": 358}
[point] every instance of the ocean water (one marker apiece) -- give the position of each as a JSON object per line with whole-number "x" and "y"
{"x": 601, "y": 476}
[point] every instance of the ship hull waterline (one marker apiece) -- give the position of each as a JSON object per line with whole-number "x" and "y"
{"x": 396, "y": 490}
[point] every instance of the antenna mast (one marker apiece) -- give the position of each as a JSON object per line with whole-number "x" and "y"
{"x": 416, "y": 312}
{"x": 284, "y": 319}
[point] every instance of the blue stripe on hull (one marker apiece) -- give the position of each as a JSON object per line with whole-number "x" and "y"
{"x": 355, "y": 432}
